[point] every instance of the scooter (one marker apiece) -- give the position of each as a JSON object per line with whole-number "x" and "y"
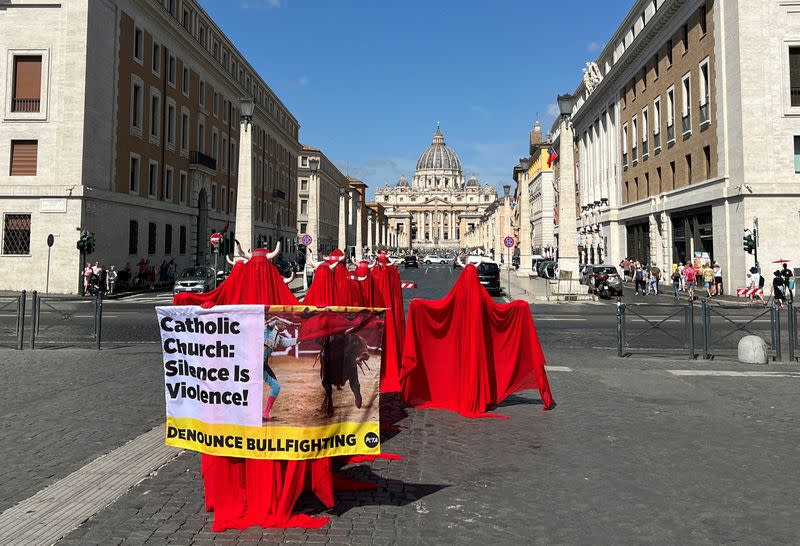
{"x": 601, "y": 286}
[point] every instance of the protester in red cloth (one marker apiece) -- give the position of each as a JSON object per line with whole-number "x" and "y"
{"x": 246, "y": 492}
{"x": 370, "y": 291}
{"x": 332, "y": 285}
{"x": 387, "y": 278}
{"x": 466, "y": 353}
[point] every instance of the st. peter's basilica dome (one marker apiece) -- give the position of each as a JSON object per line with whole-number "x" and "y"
{"x": 439, "y": 157}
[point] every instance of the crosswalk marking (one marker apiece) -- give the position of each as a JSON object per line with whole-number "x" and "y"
{"x": 732, "y": 373}
{"x": 558, "y": 368}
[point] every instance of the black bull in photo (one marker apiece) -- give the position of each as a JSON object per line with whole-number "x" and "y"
{"x": 341, "y": 357}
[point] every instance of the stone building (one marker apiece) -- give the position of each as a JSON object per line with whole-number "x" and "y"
{"x": 323, "y": 191}
{"x": 687, "y": 133}
{"x": 438, "y": 207}
{"x": 122, "y": 119}
{"x": 493, "y": 227}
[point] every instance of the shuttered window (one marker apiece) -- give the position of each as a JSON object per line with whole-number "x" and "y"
{"x": 27, "y": 83}
{"x": 17, "y": 234}
{"x": 23, "y": 157}
{"x": 151, "y": 238}
{"x": 133, "y": 237}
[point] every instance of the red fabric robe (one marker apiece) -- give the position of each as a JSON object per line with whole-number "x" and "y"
{"x": 466, "y": 353}
{"x": 387, "y": 279}
{"x": 246, "y": 492}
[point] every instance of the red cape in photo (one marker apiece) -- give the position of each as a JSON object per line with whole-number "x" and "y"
{"x": 246, "y": 492}
{"x": 466, "y": 353}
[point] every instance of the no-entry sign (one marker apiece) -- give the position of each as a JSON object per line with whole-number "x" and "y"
{"x": 216, "y": 239}
{"x": 306, "y": 239}
{"x": 508, "y": 242}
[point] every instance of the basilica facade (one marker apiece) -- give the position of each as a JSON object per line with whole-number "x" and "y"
{"x": 438, "y": 207}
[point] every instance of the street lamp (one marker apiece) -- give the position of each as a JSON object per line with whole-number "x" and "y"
{"x": 567, "y": 223}
{"x": 246, "y": 108}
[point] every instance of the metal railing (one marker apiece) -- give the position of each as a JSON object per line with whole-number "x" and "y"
{"x": 199, "y": 158}
{"x": 794, "y": 331}
{"x": 12, "y": 319}
{"x": 25, "y": 105}
{"x": 631, "y": 342}
{"x": 66, "y": 319}
{"x": 735, "y": 325}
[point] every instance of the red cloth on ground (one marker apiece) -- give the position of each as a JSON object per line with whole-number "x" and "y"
{"x": 245, "y": 492}
{"x": 387, "y": 279}
{"x": 467, "y": 353}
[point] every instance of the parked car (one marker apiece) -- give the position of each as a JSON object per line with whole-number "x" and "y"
{"x": 489, "y": 276}
{"x": 547, "y": 269}
{"x": 195, "y": 279}
{"x": 590, "y": 272}
{"x": 434, "y": 259}
{"x": 410, "y": 261}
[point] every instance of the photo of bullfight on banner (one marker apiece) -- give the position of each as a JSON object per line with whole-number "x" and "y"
{"x": 272, "y": 382}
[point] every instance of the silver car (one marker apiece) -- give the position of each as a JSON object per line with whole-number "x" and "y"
{"x": 195, "y": 279}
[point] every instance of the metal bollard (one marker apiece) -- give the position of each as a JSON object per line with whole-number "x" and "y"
{"x": 98, "y": 318}
{"x": 690, "y": 328}
{"x": 620, "y": 326}
{"x": 792, "y": 322}
{"x": 34, "y": 318}
{"x": 775, "y": 323}
{"x": 21, "y": 319}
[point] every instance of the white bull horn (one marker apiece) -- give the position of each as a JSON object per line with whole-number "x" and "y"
{"x": 274, "y": 253}
{"x": 241, "y": 252}
{"x": 373, "y": 264}
{"x": 227, "y": 258}
{"x": 289, "y": 279}
{"x": 334, "y": 264}
{"x": 459, "y": 262}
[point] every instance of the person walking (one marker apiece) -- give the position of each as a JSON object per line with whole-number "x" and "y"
{"x": 639, "y": 280}
{"x": 676, "y": 284}
{"x": 788, "y": 282}
{"x": 778, "y": 287}
{"x": 87, "y": 274}
{"x": 111, "y": 279}
{"x": 717, "y": 279}
{"x": 682, "y": 273}
{"x": 756, "y": 284}
{"x": 691, "y": 275}
{"x": 708, "y": 279}
{"x": 655, "y": 277}
{"x": 626, "y": 269}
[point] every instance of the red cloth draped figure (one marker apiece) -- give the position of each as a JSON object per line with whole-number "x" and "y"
{"x": 466, "y": 353}
{"x": 332, "y": 285}
{"x": 246, "y": 492}
{"x": 387, "y": 278}
{"x": 368, "y": 286}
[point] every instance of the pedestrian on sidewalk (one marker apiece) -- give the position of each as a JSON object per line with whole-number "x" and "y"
{"x": 788, "y": 282}
{"x": 676, "y": 284}
{"x": 708, "y": 279}
{"x": 626, "y": 269}
{"x": 756, "y": 284}
{"x": 111, "y": 279}
{"x": 682, "y": 273}
{"x": 87, "y": 273}
{"x": 717, "y": 279}
{"x": 639, "y": 280}
{"x": 655, "y": 277}
{"x": 691, "y": 275}
{"x": 777, "y": 289}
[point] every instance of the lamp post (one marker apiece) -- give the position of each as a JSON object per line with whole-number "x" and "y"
{"x": 313, "y": 215}
{"x": 342, "y": 243}
{"x": 567, "y": 223}
{"x": 244, "y": 194}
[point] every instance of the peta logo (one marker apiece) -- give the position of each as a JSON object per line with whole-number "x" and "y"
{"x": 371, "y": 439}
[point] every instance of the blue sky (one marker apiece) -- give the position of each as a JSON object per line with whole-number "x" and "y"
{"x": 369, "y": 80}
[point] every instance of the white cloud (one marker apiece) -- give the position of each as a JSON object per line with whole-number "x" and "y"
{"x": 553, "y": 111}
{"x": 593, "y": 47}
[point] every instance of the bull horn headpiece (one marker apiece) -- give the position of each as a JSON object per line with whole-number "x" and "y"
{"x": 289, "y": 279}
{"x": 241, "y": 252}
{"x": 274, "y": 253}
{"x": 460, "y": 262}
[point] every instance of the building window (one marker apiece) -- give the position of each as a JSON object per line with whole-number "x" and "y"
{"x": 658, "y": 177}
{"x": 304, "y": 161}
{"x": 688, "y": 169}
{"x": 703, "y": 19}
{"x": 156, "y": 59}
{"x": 155, "y": 114}
{"x": 171, "y": 124}
{"x": 705, "y": 99}
{"x": 184, "y": 131}
{"x": 151, "y": 238}
{"x": 707, "y": 158}
{"x": 672, "y": 175}
{"x": 201, "y": 98}
{"x": 234, "y": 157}
{"x": 232, "y": 201}
{"x": 138, "y": 45}
{"x": 225, "y": 111}
{"x": 669, "y": 53}
{"x": 304, "y": 206}
{"x": 185, "y": 81}
{"x": 182, "y": 240}
{"x": 671, "y": 114}
{"x": 152, "y": 179}
{"x": 23, "y": 157}
{"x": 133, "y": 237}
{"x": 303, "y": 185}
{"x": 27, "y": 86}
{"x": 685, "y": 38}
{"x": 634, "y": 140}
{"x": 625, "y": 145}
{"x": 167, "y": 239}
{"x": 645, "y": 150}
{"x": 223, "y": 197}
{"x": 797, "y": 154}
{"x": 215, "y": 104}
{"x": 303, "y": 228}
{"x": 657, "y": 124}
{"x": 171, "y": 70}
{"x": 655, "y": 66}
{"x": 201, "y": 137}
{"x": 17, "y": 234}
{"x": 168, "y": 172}
{"x": 133, "y": 184}
{"x": 137, "y": 106}
{"x": 185, "y": 19}
{"x": 213, "y": 197}
{"x": 182, "y": 187}
{"x": 214, "y": 143}
{"x": 686, "y": 103}
{"x": 225, "y": 154}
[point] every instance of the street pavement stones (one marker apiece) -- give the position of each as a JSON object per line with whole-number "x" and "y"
{"x": 632, "y": 453}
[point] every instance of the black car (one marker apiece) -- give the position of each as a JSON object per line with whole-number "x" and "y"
{"x": 489, "y": 277}
{"x": 284, "y": 266}
{"x": 410, "y": 261}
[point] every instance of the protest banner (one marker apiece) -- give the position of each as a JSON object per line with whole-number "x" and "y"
{"x": 272, "y": 382}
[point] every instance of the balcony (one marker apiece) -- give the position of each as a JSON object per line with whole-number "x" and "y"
{"x": 25, "y": 105}
{"x": 795, "y": 94}
{"x": 656, "y": 143}
{"x": 645, "y": 150}
{"x": 686, "y": 125}
{"x": 671, "y": 134}
{"x": 705, "y": 113}
{"x": 279, "y": 194}
{"x": 199, "y": 159}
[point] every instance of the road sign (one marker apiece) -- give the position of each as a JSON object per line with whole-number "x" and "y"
{"x": 306, "y": 239}
{"x": 50, "y": 240}
{"x": 216, "y": 239}
{"x": 508, "y": 242}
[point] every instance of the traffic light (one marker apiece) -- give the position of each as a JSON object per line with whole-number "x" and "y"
{"x": 86, "y": 242}
{"x": 749, "y": 242}
{"x": 90, "y": 243}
